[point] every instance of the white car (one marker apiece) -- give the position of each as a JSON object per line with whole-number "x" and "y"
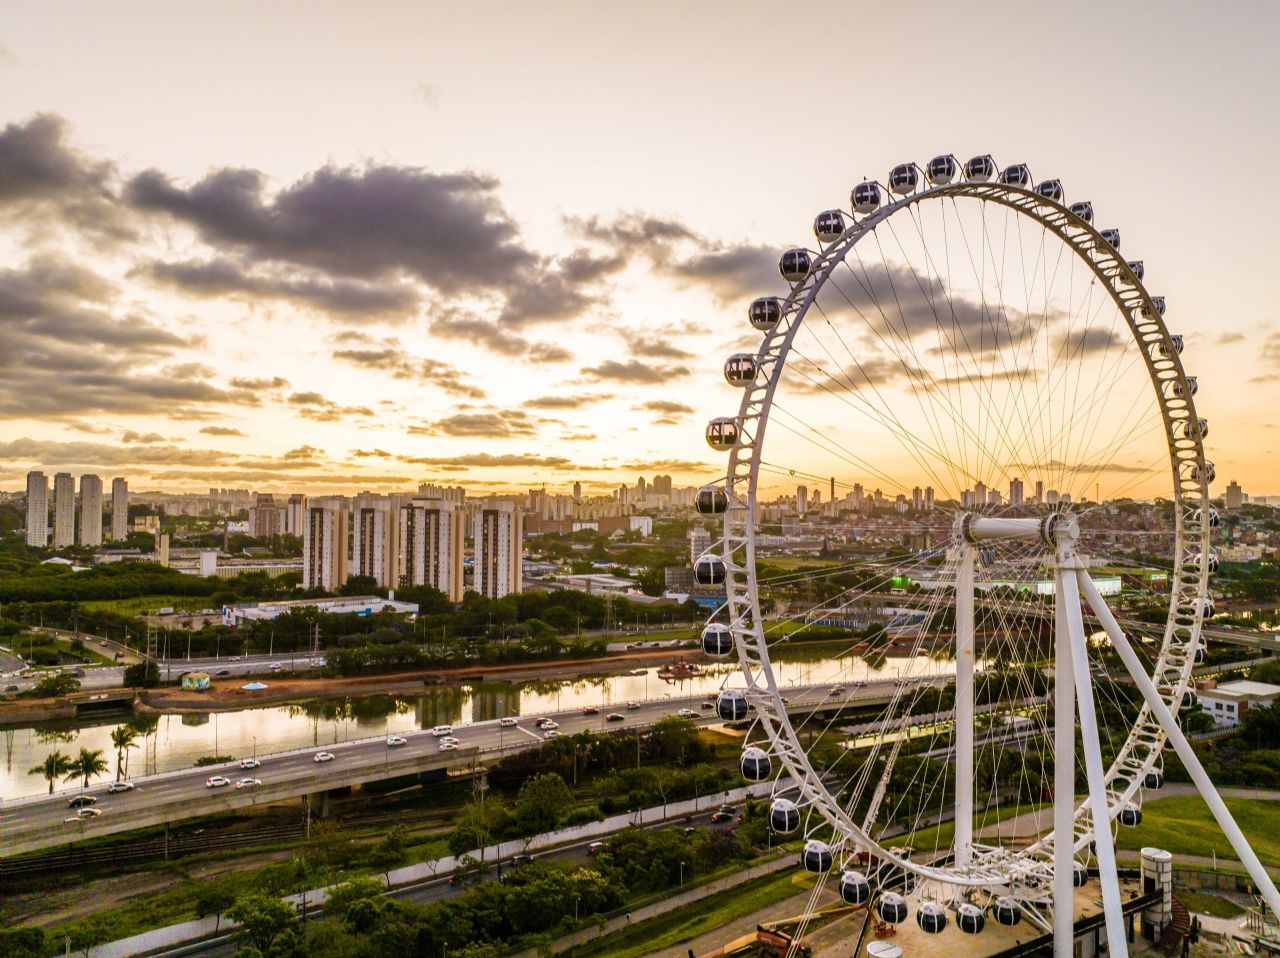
{"x": 507, "y": 722}
{"x": 83, "y": 815}
{"x": 450, "y": 739}
{"x": 447, "y": 746}
{"x": 120, "y": 787}
{"x": 323, "y": 757}
{"x": 248, "y": 763}
{"x": 550, "y": 734}
{"x": 687, "y": 713}
{"x": 549, "y": 726}
{"x": 217, "y": 781}
{"x": 442, "y": 730}
{"x": 394, "y": 740}
{"x": 249, "y": 783}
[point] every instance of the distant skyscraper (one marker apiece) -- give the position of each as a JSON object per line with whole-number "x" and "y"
{"x": 432, "y": 538}
{"x": 295, "y": 511}
{"x": 264, "y": 517}
{"x": 1015, "y": 492}
{"x": 37, "y": 510}
{"x": 802, "y": 500}
{"x": 1039, "y": 491}
{"x": 375, "y": 537}
{"x": 90, "y": 510}
{"x": 1234, "y": 498}
{"x": 119, "y": 510}
{"x": 499, "y": 541}
{"x": 699, "y": 542}
{"x": 917, "y": 498}
{"x": 577, "y": 492}
{"x": 979, "y": 494}
{"x": 1051, "y": 497}
{"x": 64, "y": 510}
{"x": 661, "y": 486}
{"x": 324, "y": 544}
{"x": 428, "y": 490}
{"x": 928, "y": 498}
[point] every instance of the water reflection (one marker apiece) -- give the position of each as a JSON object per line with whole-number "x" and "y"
{"x": 168, "y": 742}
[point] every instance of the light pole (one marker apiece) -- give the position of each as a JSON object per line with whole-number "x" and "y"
{"x": 682, "y": 874}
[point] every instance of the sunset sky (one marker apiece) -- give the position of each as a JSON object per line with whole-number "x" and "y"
{"x": 305, "y": 246}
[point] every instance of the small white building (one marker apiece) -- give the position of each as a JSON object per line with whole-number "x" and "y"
{"x": 1228, "y": 701}
{"x": 343, "y": 605}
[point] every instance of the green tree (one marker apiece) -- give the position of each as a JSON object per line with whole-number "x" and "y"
{"x": 123, "y": 738}
{"x": 21, "y": 942}
{"x": 142, "y": 675}
{"x": 212, "y": 901}
{"x": 542, "y": 803}
{"x": 88, "y": 764}
{"x": 263, "y": 917}
{"x": 55, "y": 684}
{"x": 54, "y": 766}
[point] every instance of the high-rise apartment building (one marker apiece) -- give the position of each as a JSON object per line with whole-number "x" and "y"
{"x": 264, "y": 517}
{"x": 1039, "y": 491}
{"x": 802, "y": 500}
{"x": 699, "y": 542}
{"x": 917, "y": 498}
{"x": 37, "y": 510}
{"x": 375, "y": 537}
{"x": 928, "y": 498}
{"x": 979, "y": 494}
{"x": 432, "y": 539}
{"x": 119, "y": 510}
{"x": 499, "y": 541}
{"x": 1234, "y": 497}
{"x": 324, "y": 544}
{"x": 428, "y": 490}
{"x": 295, "y": 511}
{"x": 90, "y": 510}
{"x": 64, "y": 510}
{"x": 661, "y": 486}
{"x": 577, "y": 492}
{"x": 1015, "y": 492}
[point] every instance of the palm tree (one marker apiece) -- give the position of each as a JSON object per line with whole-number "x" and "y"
{"x": 86, "y": 765}
{"x": 54, "y": 766}
{"x": 123, "y": 737}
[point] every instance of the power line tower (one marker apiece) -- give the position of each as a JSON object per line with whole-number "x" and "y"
{"x": 153, "y": 643}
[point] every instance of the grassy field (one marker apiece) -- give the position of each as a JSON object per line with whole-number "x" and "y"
{"x": 141, "y": 604}
{"x": 685, "y": 924}
{"x": 1183, "y": 825}
{"x": 1208, "y": 904}
{"x": 791, "y": 563}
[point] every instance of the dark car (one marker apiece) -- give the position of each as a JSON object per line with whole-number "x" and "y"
{"x": 614, "y": 717}
{"x": 82, "y": 801}
{"x": 718, "y": 817}
{"x": 707, "y": 706}
{"x": 224, "y": 671}
{"x": 518, "y": 860}
{"x": 590, "y": 710}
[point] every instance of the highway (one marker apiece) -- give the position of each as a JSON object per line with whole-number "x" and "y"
{"x": 37, "y": 822}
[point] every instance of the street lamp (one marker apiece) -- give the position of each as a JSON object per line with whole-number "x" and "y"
{"x": 682, "y": 874}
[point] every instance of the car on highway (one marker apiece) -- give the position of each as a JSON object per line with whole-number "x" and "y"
{"x": 217, "y": 781}
{"x": 442, "y": 730}
{"x": 84, "y": 815}
{"x": 507, "y": 722}
{"x": 615, "y": 717}
{"x": 718, "y": 817}
{"x": 82, "y": 801}
{"x": 224, "y": 671}
{"x": 595, "y": 848}
{"x": 233, "y": 658}
{"x": 632, "y": 706}
{"x": 394, "y": 740}
{"x": 248, "y": 783}
{"x": 550, "y": 734}
{"x": 120, "y": 787}
{"x": 447, "y": 746}
{"x": 323, "y": 757}
{"x": 590, "y": 710}
{"x": 248, "y": 763}
{"x": 548, "y": 725}
{"x": 518, "y": 860}
{"x": 707, "y": 706}
{"x": 687, "y": 713}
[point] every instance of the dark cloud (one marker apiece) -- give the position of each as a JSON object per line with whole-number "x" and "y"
{"x": 68, "y": 349}
{"x": 1226, "y": 339}
{"x": 260, "y": 385}
{"x": 486, "y": 460}
{"x": 304, "y": 452}
{"x": 634, "y": 371}
{"x": 497, "y": 424}
{"x": 221, "y": 431}
{"x": 653, "y": 347}
{"x": 665, "y": 465}
{"x": 668, "y": 412}
{"x": 388, "y": 356}
{"x": 1095, "y": 339}
{"x": 41, "y": 173}
{"x": 345, "y": 299}
{"x": 313, "y": 405}
{"x": 634, "y": 232}
{"x": 731, "y": 272}
{"x": 130, "y": 436}
{"x": 370, "y": 454}
{"x": 498, "y": 338}
{"x": 567, "y": 402}
{"x": 91, "y": 454}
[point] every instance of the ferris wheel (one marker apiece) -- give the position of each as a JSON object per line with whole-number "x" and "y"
{"x": 961, "y": 331}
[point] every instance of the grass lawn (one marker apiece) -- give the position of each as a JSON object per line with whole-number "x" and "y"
{"x": 685, "y": 924}
{"x": 1183, "y": 825}
{"x": 1208, "y": 904}
{"x": 138, "y": 605}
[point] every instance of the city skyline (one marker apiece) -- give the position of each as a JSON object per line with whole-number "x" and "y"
{"x": 386, "y": 292}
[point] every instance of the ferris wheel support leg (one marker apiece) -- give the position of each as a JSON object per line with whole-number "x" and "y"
{"x": 1064, "y": 781}
{"x": 1180, "y": 745}
{"x": 1108, "y": 878}
{"x": 964, "y": 707}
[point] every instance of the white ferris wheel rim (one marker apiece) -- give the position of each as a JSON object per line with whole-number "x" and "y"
{"x": 1172, "y": 668}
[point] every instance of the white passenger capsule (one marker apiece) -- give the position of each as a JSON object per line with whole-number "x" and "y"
{"x": 711, "y": 501}
{"x": 892, "y": 908}
{"x": 1130, "y": 816}
{"x": 1083, "y": 211}
{"x": 717, "y": 640}
{"x": 795, "y": 265}
{"x": 765, "y": 313}
{"x": 829, "y": 226}
{"x": 784, "y": 816}
{"x": 866, "y": 197}
{"x": 854, "y": 888}
{"x": 1016, "y": 175}
{"x": 732, "y": 706}
{"x": 755, "y": 765}
{"x": 1138, "y": 268}
{"x": 931, "y": 917}
{"x": 970, "y": 918}
{"x": 722, "y": 433}
{"x": 1174, "y": 338}
{"x": 904, "y": 178}
{"x": 980, "y": 169}
{"x": 1111, "y": 237}
{"x": 708, "y": 569}
{"x": 942, "y": 170}
{"x": 1006, "y": 911}
{"x": 1051, "y": 190}
{"x": 817, "y": 856}
{"x": 740, "y": 369}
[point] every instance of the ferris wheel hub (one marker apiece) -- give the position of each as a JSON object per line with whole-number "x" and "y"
{"x": 1056, "y": 530}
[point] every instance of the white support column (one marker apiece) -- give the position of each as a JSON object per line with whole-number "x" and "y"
{"x": 1180, "y": 745}
{"x": 1117, "y": 940}
{"x": 964, "y": 706}
{"x": 1064, "y": 780}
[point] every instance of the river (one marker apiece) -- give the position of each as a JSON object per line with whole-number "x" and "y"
{"x": 179, "y": 740}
